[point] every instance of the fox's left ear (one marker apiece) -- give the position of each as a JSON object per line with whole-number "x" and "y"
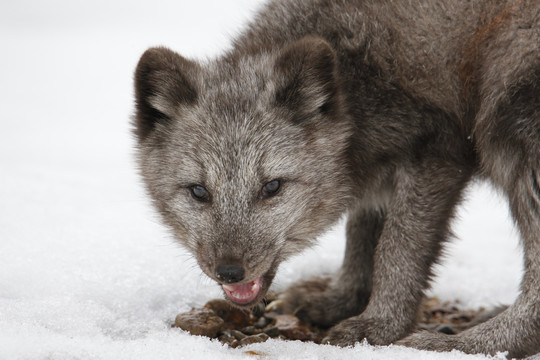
{"x": 307, "y": 77}
{"x": 164, "y": 81}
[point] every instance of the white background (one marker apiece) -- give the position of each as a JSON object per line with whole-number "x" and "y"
{"x": 86, "y": 269}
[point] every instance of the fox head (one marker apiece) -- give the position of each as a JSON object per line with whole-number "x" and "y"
{"x": 244, "y": 157}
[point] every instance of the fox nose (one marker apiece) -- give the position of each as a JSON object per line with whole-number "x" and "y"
{"x": 229, "y": 274}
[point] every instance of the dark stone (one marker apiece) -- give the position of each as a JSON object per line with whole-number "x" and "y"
{"x": 251, "y": 330}
{"x": 201, "y": 321}
{"x": 226, "y": 337}
{"x": 251, "y": 340}
{"x": 233, "y": 317}
{"x": 272, "y": 331}
{"x": 291, "y": 327}
{"x": 446, "y": 329}
{"x": 238, "y": 334}
{"x": 261, "y": 322}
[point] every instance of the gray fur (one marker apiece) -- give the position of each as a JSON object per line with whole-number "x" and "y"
{"x": 382, "y": 109}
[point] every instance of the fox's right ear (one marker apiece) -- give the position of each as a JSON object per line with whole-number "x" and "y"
{"x": 308, "y": 80}
{"x": 163, "y": 82}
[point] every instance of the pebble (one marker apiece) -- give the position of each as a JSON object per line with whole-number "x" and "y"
{"x": 263, "y": 336}
{"x": 226, "y": 337}
{"x": 258, "y": 310}
{"x": 251, "y": 330}
{"x": 446, "y": 329}
{"x": 272, "y": 331}
{"x": 233, "y": 317}
{"x": 290, "y": 326}
{"x": 201, "y": 321}
{"x": 261, "y": 323}
{"x": 238, "y": 334}
{"x": 252, "y": 340}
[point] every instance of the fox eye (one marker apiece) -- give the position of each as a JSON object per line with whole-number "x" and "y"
{"x": 200, "y": 193}
{"x": 270, "y": 189}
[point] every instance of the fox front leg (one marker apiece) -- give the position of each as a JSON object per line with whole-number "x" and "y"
{"x": 415, "y": 227}
{"x": 327, "y": 300}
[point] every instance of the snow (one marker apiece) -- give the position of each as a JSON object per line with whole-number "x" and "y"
{"x": 87, "y": 270}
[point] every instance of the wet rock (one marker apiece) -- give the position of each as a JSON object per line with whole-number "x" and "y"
{"x": 201, "y": 321}
{"x": 447, "y": 317}
{"x": 446, "y": 329}
{"x": 272, "y": 331}
{"x": 428, "y": 327}
{"x": 258, "y": 310}
{"x": 263, "y": 336}
{"x": 461, "y": 317}
{"x": 226, "y": 337}
{"x": 233, "y": 317}
{"x": 238, "y": 334}
{"x": 252, "y": 340}
{"x": 261, "y": 322}
{"x": 291, "y": 327}
{"x": 251, "y": 330}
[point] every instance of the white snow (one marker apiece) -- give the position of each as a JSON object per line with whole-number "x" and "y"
{"x": 87, "y": 271}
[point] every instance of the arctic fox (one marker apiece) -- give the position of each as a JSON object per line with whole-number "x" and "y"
{"x": 384, "y": 110}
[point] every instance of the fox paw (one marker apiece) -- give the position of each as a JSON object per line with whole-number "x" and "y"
{"x": 426, "y": 340}
{"x": 358, "y": 328}
{"x": 319, "y": 301}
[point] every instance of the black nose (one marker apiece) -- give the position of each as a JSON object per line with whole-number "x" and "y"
{"x": 229, "y": 273}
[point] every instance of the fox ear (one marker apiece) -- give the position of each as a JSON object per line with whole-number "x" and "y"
{"x": 306, "y": 75}
{"x": 163, "y": 82}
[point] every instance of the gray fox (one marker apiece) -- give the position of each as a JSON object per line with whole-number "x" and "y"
{"x": 381, "y": 110}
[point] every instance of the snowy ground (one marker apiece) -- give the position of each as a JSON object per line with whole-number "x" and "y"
{"x": 86, "y": 269}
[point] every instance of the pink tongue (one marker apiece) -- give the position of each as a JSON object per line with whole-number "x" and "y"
{"x": 244, "y": 293}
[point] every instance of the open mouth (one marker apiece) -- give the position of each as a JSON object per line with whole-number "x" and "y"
{"x": 243, "y": 294}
